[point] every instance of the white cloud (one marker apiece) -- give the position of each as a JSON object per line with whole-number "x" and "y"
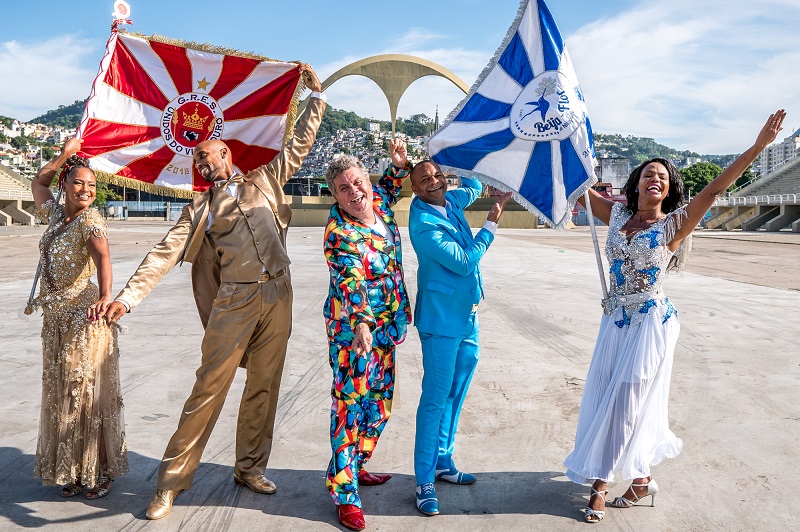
{"x": 693, "y": 75}
{"x": 41, "y": 76}
{"x": 362, "y": 96}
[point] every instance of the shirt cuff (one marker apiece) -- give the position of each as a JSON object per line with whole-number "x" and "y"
{"x": 124, "y": 303}
{"x": 321, "y": 95}
{"x": 490, "y": 226}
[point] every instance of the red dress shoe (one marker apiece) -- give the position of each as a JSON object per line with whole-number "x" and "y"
{"x": 351, "y": 516}
{"x": 371, "y": 479}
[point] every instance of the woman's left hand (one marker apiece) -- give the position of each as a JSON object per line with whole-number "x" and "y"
{"x": 771, "y": 128}
{"x": 397, "y": 151}
{"x": 98, "y": 309}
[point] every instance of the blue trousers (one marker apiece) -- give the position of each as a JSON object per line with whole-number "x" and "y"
{"x": 448, "y": 365}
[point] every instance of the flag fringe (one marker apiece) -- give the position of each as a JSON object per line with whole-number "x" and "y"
{"x": 144, "y": 186}
{"x": 519, "y": 198}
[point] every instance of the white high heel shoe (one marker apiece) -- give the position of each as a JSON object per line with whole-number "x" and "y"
{"x": 591, "y": 515}
{"x": 652, "y": 489}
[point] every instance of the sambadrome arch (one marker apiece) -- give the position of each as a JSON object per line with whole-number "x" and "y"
{"x": 393, "y": 73}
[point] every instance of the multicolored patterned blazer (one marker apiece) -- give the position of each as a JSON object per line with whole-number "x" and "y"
{"x": 366, "y": 270}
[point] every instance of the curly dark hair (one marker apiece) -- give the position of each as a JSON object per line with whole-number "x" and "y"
{"x": 69, "y": 167}
{"x": 676, "y": 196}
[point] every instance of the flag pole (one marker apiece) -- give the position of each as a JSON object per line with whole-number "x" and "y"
{"x": 29, "y": 306}
{"x": 596, "y": 245}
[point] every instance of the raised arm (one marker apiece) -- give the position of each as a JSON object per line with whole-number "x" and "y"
{"x": 40, "y": 185}
{"x": 601, "y": 207}
{"x": 391, "y": 182}
{"x": 706, "y": 197}
{"x": 291, "y": 157}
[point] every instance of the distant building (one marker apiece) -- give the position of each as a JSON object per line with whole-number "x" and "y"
{"x": 779, "y": 154}
{"x": 374, "y": 127}
{"x": 613, "y": 170}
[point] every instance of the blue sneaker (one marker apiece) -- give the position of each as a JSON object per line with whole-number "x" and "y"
{"x": 454, "y": 476}
{"x": 427, "y": 502}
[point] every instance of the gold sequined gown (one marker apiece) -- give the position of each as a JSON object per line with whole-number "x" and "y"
{"x": 81, "y": 429}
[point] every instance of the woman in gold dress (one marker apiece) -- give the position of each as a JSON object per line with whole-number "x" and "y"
{"x": 81, "y": 430}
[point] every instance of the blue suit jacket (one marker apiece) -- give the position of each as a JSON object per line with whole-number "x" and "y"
{"x": 449, "y": 279}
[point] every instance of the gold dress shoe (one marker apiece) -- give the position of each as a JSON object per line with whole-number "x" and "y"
{"x": 161, "y": 503}
{"x": 257, "y": 483}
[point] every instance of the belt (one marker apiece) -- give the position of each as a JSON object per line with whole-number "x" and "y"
{"x": 637, "y": 298}
{"x": 267, "y": 276}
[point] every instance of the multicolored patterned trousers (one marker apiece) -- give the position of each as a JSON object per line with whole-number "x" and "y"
{"x": 361, "y": 393}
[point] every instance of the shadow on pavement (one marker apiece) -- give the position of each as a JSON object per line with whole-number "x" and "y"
{"x": 214, "y": 499}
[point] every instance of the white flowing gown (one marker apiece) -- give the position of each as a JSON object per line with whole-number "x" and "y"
{"x": 623, "y": 424}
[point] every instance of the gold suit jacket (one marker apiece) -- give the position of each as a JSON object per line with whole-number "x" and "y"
{"x": 187, "y": 240}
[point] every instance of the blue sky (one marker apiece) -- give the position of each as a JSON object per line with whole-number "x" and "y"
{"x": 699, "y": 75}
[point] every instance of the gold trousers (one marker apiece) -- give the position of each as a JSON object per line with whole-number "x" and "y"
{"x": 247, "y": 318}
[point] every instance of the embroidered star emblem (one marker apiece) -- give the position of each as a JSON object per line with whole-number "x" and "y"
{"x": 652, "y": 273}
{"x": 202, "y": 84}
{"x": 653, "y": 236}
{"x": 626, "y": 320}
{"x": 616, "y": 271}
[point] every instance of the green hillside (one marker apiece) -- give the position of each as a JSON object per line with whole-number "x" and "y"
{"x": 68, "y": 116}
{"x": 637, "y": 149}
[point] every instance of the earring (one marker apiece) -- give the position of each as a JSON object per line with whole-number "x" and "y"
{"x": 637, "y": 189}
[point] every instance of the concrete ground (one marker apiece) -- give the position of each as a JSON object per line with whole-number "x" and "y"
{"x": 734, "y": 397}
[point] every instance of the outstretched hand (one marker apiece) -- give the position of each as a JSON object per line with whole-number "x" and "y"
{"x": 310, "y": 78}
{"x": 771, "y": 128}
{"x": 398, "y": 153}
{"x": 497, "y": 208}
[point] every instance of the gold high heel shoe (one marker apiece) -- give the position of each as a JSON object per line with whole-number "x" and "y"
{"x": 652, "y": 489}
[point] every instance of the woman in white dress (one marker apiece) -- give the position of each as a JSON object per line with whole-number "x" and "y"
{"x": 623, "y": 425}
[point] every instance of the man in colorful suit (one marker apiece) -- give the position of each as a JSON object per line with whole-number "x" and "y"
{"x": 366, "y": 314}
{"x": 234, "y": 234}
{"x": 449, "y": 288}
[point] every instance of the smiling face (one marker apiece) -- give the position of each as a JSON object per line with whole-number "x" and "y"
{"x": 653, "y": 183}
{"x": 80, "y": 189}
{"x": 428, "y": 183}
{"x": 212, "y": 160}
{"x": 352, "y": 190}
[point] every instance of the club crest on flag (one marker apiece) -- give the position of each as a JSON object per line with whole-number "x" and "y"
{"x": 524, "y": 127}
{"x": 189, "y": 120}
{"x": 155, "y": 99}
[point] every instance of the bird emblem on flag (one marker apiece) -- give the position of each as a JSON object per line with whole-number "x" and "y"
{"x": 154, "y": 100}
{"x": 524, "y": 127}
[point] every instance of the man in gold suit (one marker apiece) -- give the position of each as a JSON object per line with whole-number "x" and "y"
{"x": 234, "y": 234}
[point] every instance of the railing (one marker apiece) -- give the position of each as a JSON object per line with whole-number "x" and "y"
{"x": 16, "y": 194}
{"x": 773, "y": 199}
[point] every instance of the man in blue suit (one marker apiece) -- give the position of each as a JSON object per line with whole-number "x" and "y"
{"x": 449, "y": 288}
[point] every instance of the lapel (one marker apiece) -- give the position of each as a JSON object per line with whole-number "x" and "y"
{"x": 446, "y": 224}
{"x": 199, "y": 219}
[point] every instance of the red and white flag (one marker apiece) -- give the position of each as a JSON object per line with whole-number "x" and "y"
{"x": 154, "y": 101}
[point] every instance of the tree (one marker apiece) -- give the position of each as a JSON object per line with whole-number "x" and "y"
{"x": 420, "y": 118}
{"x": 744, "y": 179}
{"x": 697, "y": 176}
{"x": 104, "y": 194}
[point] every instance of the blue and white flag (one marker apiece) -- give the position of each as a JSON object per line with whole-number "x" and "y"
{"x": 523, "y": 126}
